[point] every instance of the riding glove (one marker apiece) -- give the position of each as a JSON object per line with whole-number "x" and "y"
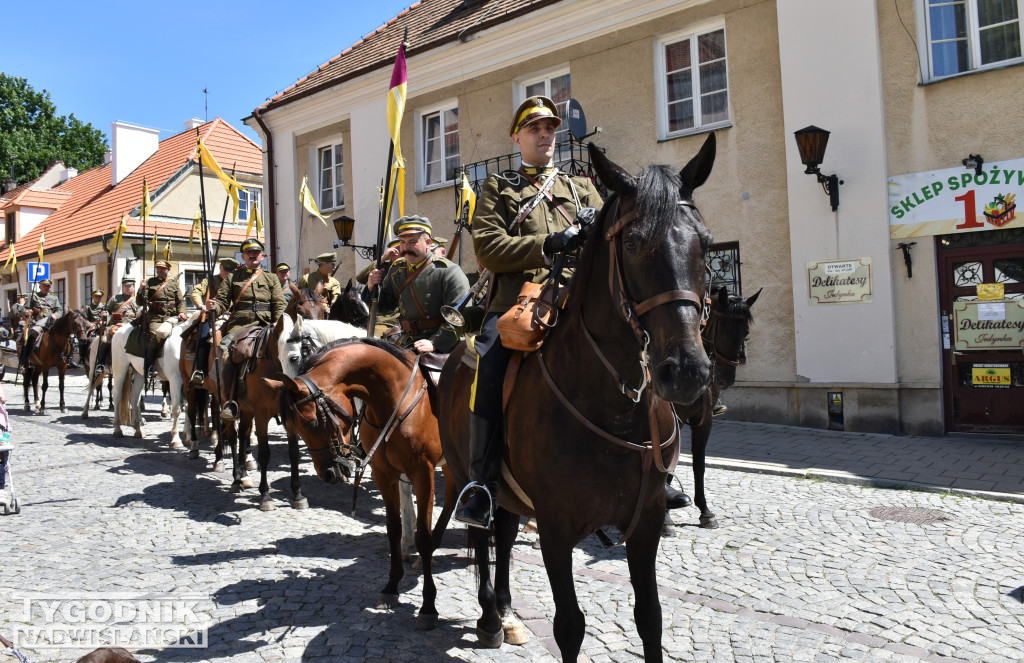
{"x": 562, "y": 241}
{"x": 585, "y": 218}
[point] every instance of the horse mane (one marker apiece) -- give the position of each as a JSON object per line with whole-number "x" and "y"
{"x": 737, "y": 306}
{"x": 318, "y": 357}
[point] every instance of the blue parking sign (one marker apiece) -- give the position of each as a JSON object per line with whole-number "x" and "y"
{"x": 38, "y": 271}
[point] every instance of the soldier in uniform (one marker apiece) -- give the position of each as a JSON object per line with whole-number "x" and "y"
{"x": 324, "y": 273}
{"x": 203, "y": 296}
{"x": 284, "y": 271}
{"x": 46, "y": 308}
{"x": 19, "y": 317}
{"x": 421, "y": 284}
{"x": 517, "y": 231}
{"x": 386, "y": 323}
{"x": 121, "y": 308}
{"x": 163, "y": 304}
{"x": 252, "y": 297}
{"x": 96, "y": 313}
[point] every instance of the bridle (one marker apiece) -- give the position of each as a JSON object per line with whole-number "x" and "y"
{"x": 710, "y": 338}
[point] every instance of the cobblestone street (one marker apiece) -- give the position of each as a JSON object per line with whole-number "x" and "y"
{"x": 800, "y": 569}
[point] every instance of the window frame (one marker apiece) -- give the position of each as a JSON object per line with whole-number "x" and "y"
{"x": 421, "y": 116}
{"x": 61, "y": 292}
{"x": 661, "y": 84}
{"x": 251, "y": 196}
{"x": 562, "y": 149}
{"x": 333, "y": 146}
{"x": 924, "y": 27}
{"x": 11, "y": 227}
{"x": 85, "y": 295}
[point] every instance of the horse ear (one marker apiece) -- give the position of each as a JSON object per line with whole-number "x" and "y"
{"x": 723, "y": 297}
{"x": 284, "y": 382}
{"x": 753, "y": 298}
{"x": 613, "y": 177}
{"x": 298, "y": 323}
{"x": 696, "y": 172}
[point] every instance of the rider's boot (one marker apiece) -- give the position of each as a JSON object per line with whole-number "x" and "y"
{"x": 69, "y": 359}
{"x": 102, "y": 358}
{"x": 477, "y": 501}
{"x": 202, "y": 360}
{"x": 230, "y": 410}
{"x": 675, "y": 498}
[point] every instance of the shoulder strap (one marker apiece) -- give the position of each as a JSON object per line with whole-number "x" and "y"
{"x": 408, "y": 282}
{"x": 158, "y": 290}
{"x": 546, "y": 192}
{"x": 246, "y": 286}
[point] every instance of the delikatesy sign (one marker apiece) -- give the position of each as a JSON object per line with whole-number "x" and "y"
{"x": 956, "y": 200}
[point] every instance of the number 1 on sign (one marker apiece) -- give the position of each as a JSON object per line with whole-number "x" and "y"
{"x": 970, "y": 212}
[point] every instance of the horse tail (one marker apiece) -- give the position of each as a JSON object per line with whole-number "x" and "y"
{"x": 125, "y": 401}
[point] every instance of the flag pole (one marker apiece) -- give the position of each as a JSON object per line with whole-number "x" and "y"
{"x": 204, "y": 234}
{"x": 302, "y": 222}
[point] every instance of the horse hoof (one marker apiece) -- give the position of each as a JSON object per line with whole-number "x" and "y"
{"x": 536, "y": 544}
{"x": 251, "y": 465}
{"x": 426, "y": 622}
{"x": 708, "y": 522}
{"x": 138, "y": 434}
{"x": 246, "y": 482}
{"x": 118, "y": 433}
{"x": 267, "y": 505}
{"x": 300, "y": 504}
{"x": 386, "y": 601}
{"x": 218, "y": 466}
{"x": 236, "y": 487}
{"x": 176, "y": 444}
{"x": 417, "y": 562}
{"x": 516, "y": 634}
{"x": 85, "y": 415}
{"x": 490, "y": 640}
{"x": 193, "y": 454}
{"x": 668, "y": 531}
{"x": 63, "y": 410}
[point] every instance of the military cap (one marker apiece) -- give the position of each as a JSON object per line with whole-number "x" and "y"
{"x": 46, "y": 282}
{"x": 534, "y": 108}
{"x": 393, "y": 243}
{"x": 162, "y": 263}
{"x": 413, "y": 223}
{"x": 250, "y": 244}
{"x": 128, "y": 280}
{"x": 281, "y": 266}
{"x": 327, "y": 257}
{"x": 438, "y": 241}
{"x": 229, "y": 264}
{"x": 22, "y": 294}
{"x": 97, "y": 293}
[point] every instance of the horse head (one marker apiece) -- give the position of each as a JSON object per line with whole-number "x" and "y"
{"x": 306, "y": 302}
{"x": 78, "y": 326}
{"x": 656, "y": 259}
{"x": 726, "y": 333}
{"x": 350, "y": 307}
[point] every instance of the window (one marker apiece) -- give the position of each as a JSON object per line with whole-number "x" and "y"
{"x": 193, "y": 277}
{"x": 964, "y": 35}
{"x": 60, "y": 288}
{"x": 86, "y": 288}
{"x": 693, "y": 83}
{"x": 724, "y": 263}
{"x": 556, "y": 87}
{"x": 247, "y": 200}
{"x": 10, "y": 228}
{"x": 439, "y": 145}
{"x": 331, "y": 163}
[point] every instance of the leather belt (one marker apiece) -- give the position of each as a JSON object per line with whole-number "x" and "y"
{"x": 410, "y": 326}
{"x": 261, "y": 307}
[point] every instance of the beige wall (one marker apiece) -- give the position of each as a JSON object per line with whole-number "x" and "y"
{"x": 183, "y": 200}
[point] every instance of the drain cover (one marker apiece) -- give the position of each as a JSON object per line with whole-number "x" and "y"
{"x": 917, "y": 515}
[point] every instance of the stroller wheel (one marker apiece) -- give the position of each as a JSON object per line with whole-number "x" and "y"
{"x": 15, "y": 507}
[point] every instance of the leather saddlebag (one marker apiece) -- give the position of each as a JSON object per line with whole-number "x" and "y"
{"x": 524, "y": 326}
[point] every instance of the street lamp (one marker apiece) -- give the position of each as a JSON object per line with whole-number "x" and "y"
{"x": 139, "y": 251}
{"x": 345, "y": 226}
{"x": 811, "y": 141}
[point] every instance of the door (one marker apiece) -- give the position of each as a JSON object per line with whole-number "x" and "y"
{"x": 983, "y": 388}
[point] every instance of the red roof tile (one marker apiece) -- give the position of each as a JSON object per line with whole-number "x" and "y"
{"x": 92, "y": 207}
{"x": 430, "y": 24}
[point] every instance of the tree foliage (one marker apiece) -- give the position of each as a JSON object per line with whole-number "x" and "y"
{"x": 35, "y": 136}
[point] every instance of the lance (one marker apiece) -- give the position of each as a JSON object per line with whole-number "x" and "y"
{"x": 208, "y": 261}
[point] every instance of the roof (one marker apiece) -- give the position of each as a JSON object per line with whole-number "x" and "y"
{"x": 430, "y": 23}
{"x": 91, "y": 207}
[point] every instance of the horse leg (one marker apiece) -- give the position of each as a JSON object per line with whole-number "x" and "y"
{"x": 42, "y": 400}
{"x": 27, "y": 375}
{"x": 231, "y": 437}
{"x": 641, "y": 557}
{"x": 488, "y": 628}
{"x": 450, "y": 496}
{"x": 699, "y": 447}
{"x": 110, "y": 392}
{"x": 556, "y": 546}
{"x": 408, "y": 518}
{"x": 299, "y": 501}
{"x": 244, "y": 442}
{"x": 165, "y": 389}
{"x": 191, "y": 430}
{"x": 423, "y": 481}
{"x": 263, "y": 454}
{"x": 88, "y": 397}
{"x": 387, "y": 483}
{"x": 506, "y": 528}
{"x": 60, "y": 389}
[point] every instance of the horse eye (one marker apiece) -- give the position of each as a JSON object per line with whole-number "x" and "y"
{"x": 630, "y": 245}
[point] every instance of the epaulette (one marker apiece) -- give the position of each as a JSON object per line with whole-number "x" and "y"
{"x": 398, "y": 262}
{"x": 443, "y": 262}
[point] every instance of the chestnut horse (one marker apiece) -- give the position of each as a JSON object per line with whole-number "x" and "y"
{"x": 727, "y": 329}
{"x": 589, "y": 424}
{"x": 398, "y": 434}
{"x": 49, "y": 353}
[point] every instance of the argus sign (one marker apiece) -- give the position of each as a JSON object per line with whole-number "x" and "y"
{"x": 956, "y": 200}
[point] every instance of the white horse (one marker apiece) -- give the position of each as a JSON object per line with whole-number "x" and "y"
{"x": 314, "y": 334}
{"x": 125, "y": 366}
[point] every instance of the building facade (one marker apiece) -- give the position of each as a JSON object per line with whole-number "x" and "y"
{"x": 847, "y": 335}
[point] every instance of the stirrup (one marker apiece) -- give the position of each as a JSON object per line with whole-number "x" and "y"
{"x": 471, "y": 488}
{"x": 100, "y": 370}
{"x": 230, "y": 411}
{"x": 198, "y": 378}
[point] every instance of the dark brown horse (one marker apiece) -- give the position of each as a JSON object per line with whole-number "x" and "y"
{"x": 306, "y": 302}
{"x": 52, "y": 351}
{"x": 724, "y": 336}
{"x": 398, "y": 434}
{"x": 351, "y": 306}
{"x": 589, "y": 424}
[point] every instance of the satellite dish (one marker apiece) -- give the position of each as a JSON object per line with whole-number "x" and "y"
{"x": 576, "y": 118}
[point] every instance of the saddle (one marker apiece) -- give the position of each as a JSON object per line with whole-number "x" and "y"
{"x": 140, "y": 340}
{"x": 247, "y": 344}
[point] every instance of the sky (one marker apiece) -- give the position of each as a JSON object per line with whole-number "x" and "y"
{"x": 147, "y": 63}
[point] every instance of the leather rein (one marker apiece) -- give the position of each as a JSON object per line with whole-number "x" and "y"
{"x": 651, "y": 451}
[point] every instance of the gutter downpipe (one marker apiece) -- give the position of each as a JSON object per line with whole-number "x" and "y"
{"x": 271, "y": 189}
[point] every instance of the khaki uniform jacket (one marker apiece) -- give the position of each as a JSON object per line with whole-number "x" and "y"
{"x": 441, "y": 283}
{"x": 47, "y": 305}
{"x": 18, "y": 316}
{"x": 92, "y": 312}
{"x": 515, "y": 254}
{"x": 332, "y": 288}
{"x": 261, "y": 304}
{"x": 164, "y": 306}
{"x": 128, "y": 312}
{"x": 199, "y": 293}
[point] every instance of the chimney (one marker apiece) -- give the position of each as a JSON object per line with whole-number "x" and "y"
{"x": 106, "y": 157}
{"x": 67, "y": 174}
{"x": 193, "y": 123}
{"x": 130, "y": 146}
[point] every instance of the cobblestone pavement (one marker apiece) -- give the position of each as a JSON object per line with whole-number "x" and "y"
{"x": 800, "y": 569}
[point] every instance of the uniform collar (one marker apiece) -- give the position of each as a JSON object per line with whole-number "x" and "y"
{"x": 537, "y": 170}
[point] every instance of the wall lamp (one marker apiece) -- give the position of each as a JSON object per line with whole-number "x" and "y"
{"x": 974, "y": 161}
{"x": 811, "y": 142}
{"x": 139, "y": 251}
{"x": 345, "y": 226}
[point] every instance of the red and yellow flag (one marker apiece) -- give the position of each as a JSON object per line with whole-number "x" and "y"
{"x": 396, "y": 108}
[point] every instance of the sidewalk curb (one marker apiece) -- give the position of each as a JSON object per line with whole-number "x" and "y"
{"x": 833, "y": 476}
